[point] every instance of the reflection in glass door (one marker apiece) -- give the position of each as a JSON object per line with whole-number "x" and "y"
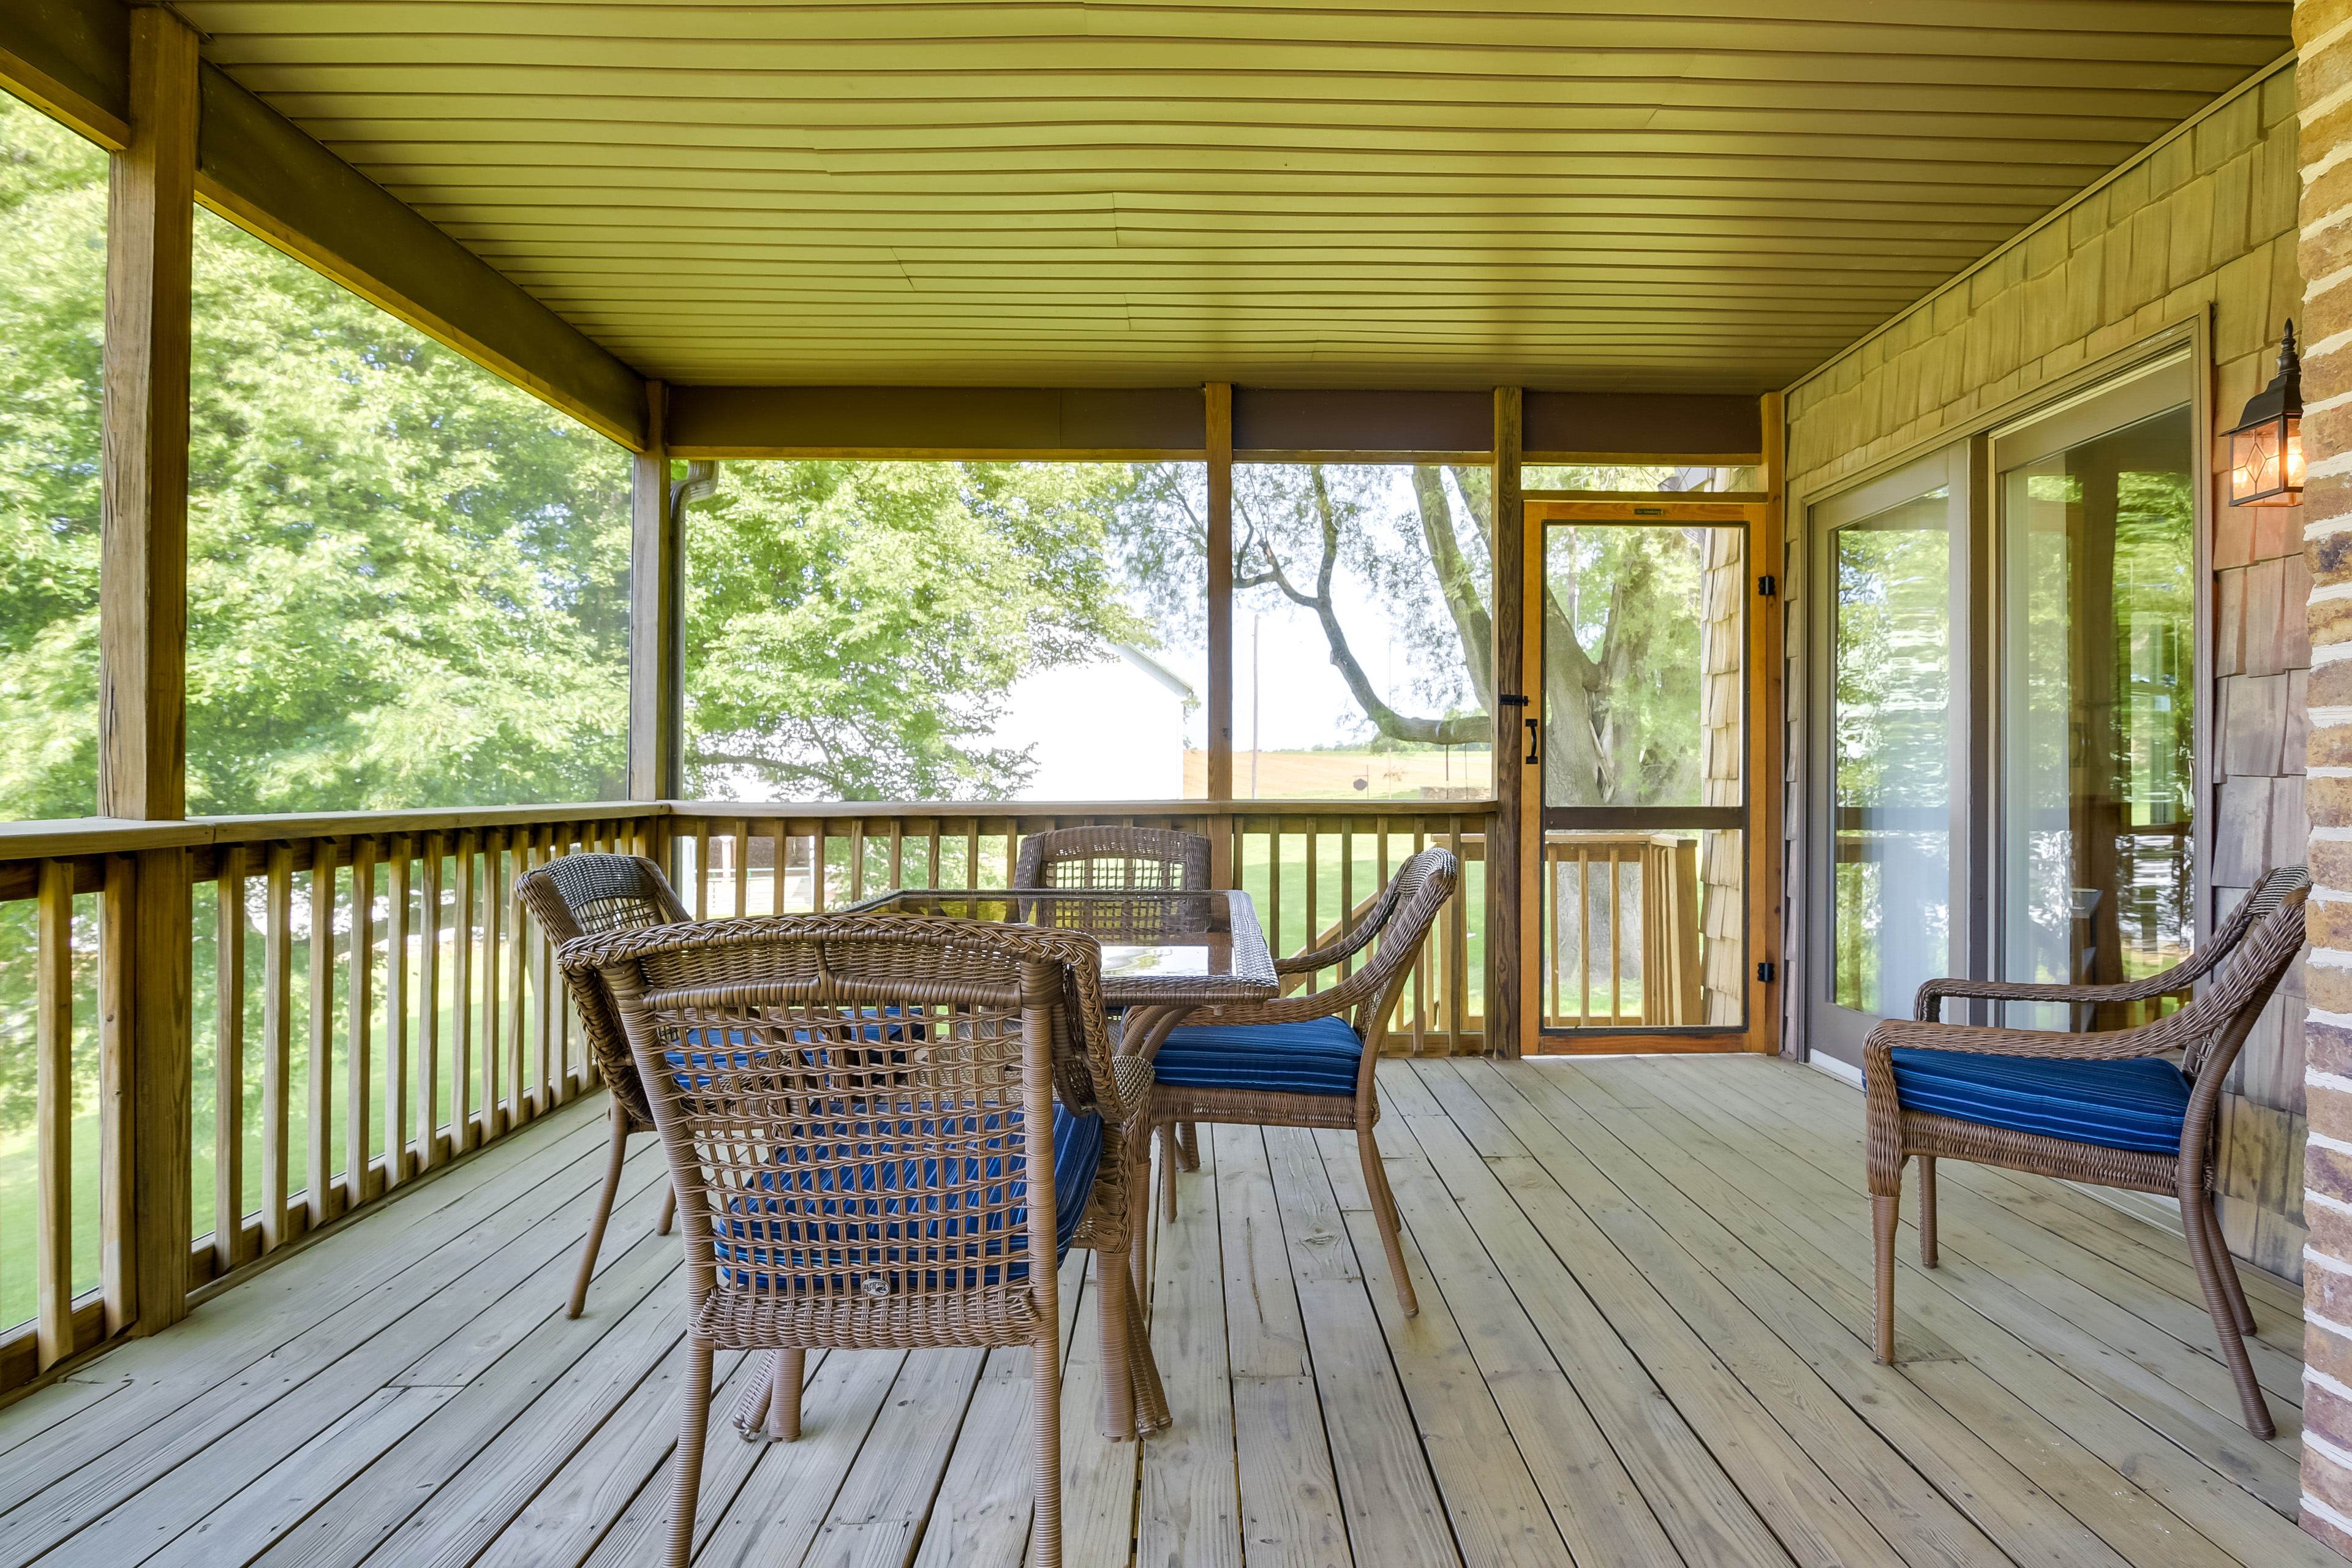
{"x": 1644, "y": 776}
{"x": 2097, "y": 707}
{"x": 1891, "y": 755}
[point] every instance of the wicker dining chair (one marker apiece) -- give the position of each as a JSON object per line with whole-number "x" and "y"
{"x": 848, "y": 1103}
{"x": 2108, "y": 1109}
{"x": 1119, "y": 857}
{"x": 1307, "y": 1061}
{"x": 587, "y": 895}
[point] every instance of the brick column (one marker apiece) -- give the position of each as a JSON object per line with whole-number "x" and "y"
{"x": 2323, "y": 35}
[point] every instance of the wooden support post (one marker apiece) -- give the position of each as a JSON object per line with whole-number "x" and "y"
{"x": 1767, "y": 736}
{"x": 657, "y": 619}
{"x": 143, "y": 682}
{"x": 1220, "y": 611}
{"x": 1511, "y": 935}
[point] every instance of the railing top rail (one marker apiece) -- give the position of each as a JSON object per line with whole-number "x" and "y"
{"x": 1018, "y": 810}
{"x": 67, "y": 837}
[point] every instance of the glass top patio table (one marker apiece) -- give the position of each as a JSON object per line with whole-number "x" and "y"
{"x": 1159, "y": 947}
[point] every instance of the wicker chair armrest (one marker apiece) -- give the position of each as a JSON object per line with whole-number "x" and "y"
{"x": 2112, "y": 1045}
{"x": 1927, "y": 1007}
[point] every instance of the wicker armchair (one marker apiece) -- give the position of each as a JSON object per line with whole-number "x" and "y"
{"x": 588, "y": 895}
{"x": 1307, "y": 1061}
{"x": 851, "y": 1105}
{"x": 2107, "y": 1109}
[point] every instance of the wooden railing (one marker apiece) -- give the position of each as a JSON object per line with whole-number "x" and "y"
{"x": 1623, "y": 914}
{"x": 362, "y": 1000}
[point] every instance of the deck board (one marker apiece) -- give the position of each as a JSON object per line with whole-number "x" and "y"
{"x": 1646, "y": 1289}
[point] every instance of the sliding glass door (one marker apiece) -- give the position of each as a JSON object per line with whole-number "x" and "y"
{"x": 2005, "y": 671}
{"x": 1895, "y": 602}
{"x": 2098, "y": 696}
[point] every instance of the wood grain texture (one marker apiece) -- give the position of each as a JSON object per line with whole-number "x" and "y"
{"x": 1039, "y": 194}
{"x": 1644, "y": 1290}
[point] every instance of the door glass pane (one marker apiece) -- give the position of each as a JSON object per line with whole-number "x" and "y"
{"x": 1643, "y": 659}
{"x": 2097, "y": 647}
{"x": 1890, "y": 755}
{"x": 1642, "y": 652}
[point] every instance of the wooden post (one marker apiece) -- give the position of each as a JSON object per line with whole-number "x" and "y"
{"x": 1220, "y": 619}
{"x": 1767, "y": 733}
{"x": 53, "y": 1117}
{"x": 1511, "y": 941}
{"x": 657, "y": 619}
{"x": 143, "y": 681}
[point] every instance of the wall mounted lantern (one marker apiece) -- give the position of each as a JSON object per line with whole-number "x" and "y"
{"x": 2266, "y": 444}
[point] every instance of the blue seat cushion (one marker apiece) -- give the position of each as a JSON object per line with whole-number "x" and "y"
{"x": 1318, "y": 1057}
{"x": 913, "y": 1219}
{"x": 2137, "y": 1104}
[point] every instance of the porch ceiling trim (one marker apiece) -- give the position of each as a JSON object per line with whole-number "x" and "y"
{"x": 255, "y": 168}
{"x": 1132, "y": 423}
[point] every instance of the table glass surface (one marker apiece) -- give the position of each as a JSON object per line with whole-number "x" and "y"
{"x": 1157, "y": 945}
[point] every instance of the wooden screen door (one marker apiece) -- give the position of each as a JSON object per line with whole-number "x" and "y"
{"x": 1651, "y": 886}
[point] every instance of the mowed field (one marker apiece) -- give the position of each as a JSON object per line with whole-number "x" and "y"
{"x": 1332, "y": 775}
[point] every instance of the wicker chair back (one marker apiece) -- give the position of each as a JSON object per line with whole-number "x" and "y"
{"x": 1116, "y": 858}
{"x": 587, "y": 895}
{"x": 853, "y": 1106}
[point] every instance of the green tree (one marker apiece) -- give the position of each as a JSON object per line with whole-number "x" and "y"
{"x": 853, "y": 627}
{"x": 408, "y": 580}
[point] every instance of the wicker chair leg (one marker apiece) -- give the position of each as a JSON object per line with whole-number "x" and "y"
{"x": 784, "y": 1396}
{"x": 604, "y": 1214}
{"x": 1928, "y": 1257}
{"x": 1168, "y": 1172}
{"x": 1385, "y": 1215}
{"x": 2218, "y": 1246}
{"x": 1188, "y": 1145}
{"x": 694, "y": 1421}
{"x": 2210, "y": 1262}
{"x": 1046, "y": 1525}
{"x": 669, "y": 1210}
{"x": 1884, "y": 1209}
{"x": 1139, "y": 1241}
{"x": 750, "y": 1416}
{"x": 1150, "y": 1396}
{"x": 1115, "y": 1415}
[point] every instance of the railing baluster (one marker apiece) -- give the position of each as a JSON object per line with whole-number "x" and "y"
{"x": 507, "y": 988}
{"x": 428, "y": 1011}
{"x": 318, "y": 1152}
{"x": 700, "y": 903}
{"x": 776, "y": 854}
{"x": 395, "y": 1016}
{"x": 358, "y": 1051}
{"x": 1457, "y": 978}
{"x": 857, "y": 858}
{"x": 53, "y": 1115}
{"x": 1616, "y": 940}
{"x": 543, "y": 997}
{"x": 228, "y": 1060}
{"x": 1347, "y": 886}
{"x": 276, "y": 1047}
{"x": 465, "y": 1132}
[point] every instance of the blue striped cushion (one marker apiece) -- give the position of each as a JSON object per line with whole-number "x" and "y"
{"x": 2136, "y": 1104}
{"x": 1317, "y": 1056}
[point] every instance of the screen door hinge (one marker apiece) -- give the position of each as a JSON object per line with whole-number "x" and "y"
{"x": 1508, "y": 700}
{"x": 1764, "y": 972}
{"x": 1768, "y": 587}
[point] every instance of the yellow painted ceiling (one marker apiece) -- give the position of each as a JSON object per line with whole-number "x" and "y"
{"x": 1571, "y": 195}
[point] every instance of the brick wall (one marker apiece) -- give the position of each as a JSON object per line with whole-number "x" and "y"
{"x": 2323, "y": 34}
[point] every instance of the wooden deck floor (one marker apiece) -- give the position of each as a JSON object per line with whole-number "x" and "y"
{"x": 1644, "y": 1294}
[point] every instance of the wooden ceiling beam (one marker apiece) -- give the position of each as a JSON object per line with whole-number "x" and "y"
{"x": 1120, "y": 423}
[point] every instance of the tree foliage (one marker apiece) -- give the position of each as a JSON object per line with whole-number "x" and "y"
{"x": 853, "y": 627}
